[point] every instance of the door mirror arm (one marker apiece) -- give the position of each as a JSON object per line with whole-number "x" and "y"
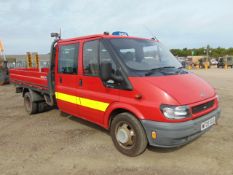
{"x": 117, "y": 78}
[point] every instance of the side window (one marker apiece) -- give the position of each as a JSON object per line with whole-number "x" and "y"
{"x": 106, "y": 57}
{"x": 68, "y": 59}
{"x": 90, "y": 58}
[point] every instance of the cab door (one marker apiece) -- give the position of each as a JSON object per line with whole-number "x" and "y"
{"x": 95, "y": 98}
{"x": 66, "y": 79}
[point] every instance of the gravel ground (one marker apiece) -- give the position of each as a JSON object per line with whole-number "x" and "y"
{"x": 49, "y": 143}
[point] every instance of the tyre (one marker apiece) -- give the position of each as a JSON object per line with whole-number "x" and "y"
{"x": 30, "y": 107}
{"x": 43, "y": 107}
{"x": 128, "y": 134}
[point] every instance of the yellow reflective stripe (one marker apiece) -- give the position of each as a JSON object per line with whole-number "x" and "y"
{"x": 98, "y": 105}
{"x": 93, "y": 104}
{"x": 67, "y": 98}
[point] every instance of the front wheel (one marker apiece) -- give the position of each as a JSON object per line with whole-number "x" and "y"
{"x": 128, "y": 134}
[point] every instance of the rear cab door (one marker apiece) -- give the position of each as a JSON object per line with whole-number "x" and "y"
{"x": 66, "y": 79}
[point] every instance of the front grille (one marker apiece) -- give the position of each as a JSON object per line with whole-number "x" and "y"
{"x": 202, "y": 107}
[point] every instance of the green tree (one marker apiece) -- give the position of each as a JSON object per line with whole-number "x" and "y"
{"x": 215, "y": 52}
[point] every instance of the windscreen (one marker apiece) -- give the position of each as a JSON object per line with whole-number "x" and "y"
{"x": 143, "y": 55}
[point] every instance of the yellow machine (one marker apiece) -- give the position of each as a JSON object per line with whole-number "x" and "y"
{"x": 29, "y": 60}
{"x": 4, "y": 73}
{"x": 37, "y": 60}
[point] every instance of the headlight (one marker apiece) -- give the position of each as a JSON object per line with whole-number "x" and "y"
{"x": 175, "y": 112}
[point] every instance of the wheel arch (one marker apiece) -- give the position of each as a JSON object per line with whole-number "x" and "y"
{"x": 118, "y": 108}
{"x": 36, "y": 96}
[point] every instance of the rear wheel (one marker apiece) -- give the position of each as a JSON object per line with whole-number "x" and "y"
{"x": 128, "y": 134}
{"x": 30, "y": 107}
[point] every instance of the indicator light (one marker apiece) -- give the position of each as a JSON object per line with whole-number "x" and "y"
{"x": 153, "y": 135}
{"x": 138, "y": 96}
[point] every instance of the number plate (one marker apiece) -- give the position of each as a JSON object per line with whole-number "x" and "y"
{"x": 206, "y": 124}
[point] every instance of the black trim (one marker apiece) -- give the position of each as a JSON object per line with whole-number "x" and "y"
{"x": 51, "y": 74}
{"x": 202, "y": 107}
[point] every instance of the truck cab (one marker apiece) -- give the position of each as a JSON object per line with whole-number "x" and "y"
{"x": 134, "y": 87}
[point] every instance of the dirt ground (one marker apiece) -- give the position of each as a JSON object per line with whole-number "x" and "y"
{"x": 49, "y": 143}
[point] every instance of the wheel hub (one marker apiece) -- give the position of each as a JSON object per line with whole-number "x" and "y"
{"x": 125, "y": 135}
{"x": 122, "y": 136}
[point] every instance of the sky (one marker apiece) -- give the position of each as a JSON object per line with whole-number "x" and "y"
{"x": 26, "y": 25}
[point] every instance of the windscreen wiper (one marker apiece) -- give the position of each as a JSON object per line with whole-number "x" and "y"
{"x": 181, "y": 70}
{"x": 151, "y": 71}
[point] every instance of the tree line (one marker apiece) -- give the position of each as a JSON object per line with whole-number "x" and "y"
{"x": 213, "y": 52}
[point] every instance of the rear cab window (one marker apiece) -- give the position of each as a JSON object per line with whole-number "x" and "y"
{"x": 68, "y": 59}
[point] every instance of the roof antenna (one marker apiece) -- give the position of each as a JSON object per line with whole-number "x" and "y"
{"x": 151, "y": 33}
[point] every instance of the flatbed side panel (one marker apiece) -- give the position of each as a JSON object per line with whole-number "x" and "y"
{"x": 30, "y": 77}
{"x": 30, "y": 86}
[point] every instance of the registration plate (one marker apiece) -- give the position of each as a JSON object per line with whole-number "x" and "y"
{"x": 206, "y": 124}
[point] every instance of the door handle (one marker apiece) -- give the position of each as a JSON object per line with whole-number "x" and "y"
{"x": 80, "y": 82}
{"x": 60, "y": 79}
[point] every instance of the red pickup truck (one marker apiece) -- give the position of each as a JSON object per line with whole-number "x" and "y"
{"x": 132, "y": 86}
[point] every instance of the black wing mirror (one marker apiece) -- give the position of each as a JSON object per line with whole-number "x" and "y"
{"x": 106, "y": 71}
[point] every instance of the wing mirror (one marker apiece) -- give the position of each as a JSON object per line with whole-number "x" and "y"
{"x": 106, "y": 72}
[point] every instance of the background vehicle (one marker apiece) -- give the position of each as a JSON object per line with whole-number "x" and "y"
{"x": 213, "y": 61}
{"x": 4, "y": 73}
{"x": 204, "y": 62}
{"x": 3, "y": 66}
{"x": 132, "y": 86}
{"x": 225, "y": 61}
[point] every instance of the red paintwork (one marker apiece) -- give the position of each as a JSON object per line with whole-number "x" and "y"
{"x": 180, "y": 86}
{"x": 30, "y": 77}
{"x": 173, "y": 90}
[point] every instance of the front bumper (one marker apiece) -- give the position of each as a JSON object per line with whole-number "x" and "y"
{"x": 176, "y": 134}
